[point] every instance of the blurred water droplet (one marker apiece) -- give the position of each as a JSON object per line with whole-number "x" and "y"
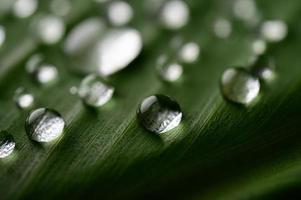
{"x": 189, "y": 52}
{"x": 60, "y": 7}
{"x": 23, "y": 98}
{"x": 25, "y": 8}
{"x": 222, "y": 28}
{"x": 73, "y": 90}
{"x": 94, "y": 92}
{"x": 49, "y": 29}
{"x": 174, "y": 14}
{"x": 169, "y": 70}
{"x": 2, "y": 35}
{"x": 259, "y": 46}
{"x": 159, "y": 113}
{"x": 246, "y": 10}
{"x": 44, "y": 125}
{"x": 239, "y": 86}
{"x": 274, "y": 30}
{"x": 7, "y": 144}
{"x": 264, "y": 68}
{"x": 120, "y": 13}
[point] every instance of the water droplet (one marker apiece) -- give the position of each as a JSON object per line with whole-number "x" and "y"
{"x": 222, "y": 28}
{"x": 23, "y": 99}
{"x": 274, "y": 30}
{"x": 25, "y": 8}
{"x": 246, "y": 10}
{"x": 169, "y": 70}
{"x": 94, "y": 92}
{"x": 7, "y": 144}
{"x": 159, "y": 113}
{"x": 44, "y": 125}
{"x": 60, "y": 7}
{"x": 264, "y": 68}
{"x": 73, "y": 90}
{"x": 2, "y": 35}
{"x": 189, "y": 52}
{"x": 259, "y": 46}
{"x": 174, "y": 14}
{"x": 49, "y": 29}
{"x": 120, "y": 13}
{"x": 239, "y": 86}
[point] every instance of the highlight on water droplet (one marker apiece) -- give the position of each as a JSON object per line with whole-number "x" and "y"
{"x": 120, "y": 13}
{"x": 239, "y": 86}
{"x": 7, "y": 144}
{"x": 259, "y": 46}
{"x": 44, "y": 125}
{"x": 222, "y": 28}
{"x": 189, "y": 52}
{"x": 94, "y": 92}
{"x": 60, "y": 7}
{"x": 264, "y": 68}
{"x": 2, "y": 35}
{"x": 24, "y": 8}
{"x": 159, "y": 113}
{"x": 168, "y": 70}
{"x": 23, "y": 98}
{"x": 274, "y": 30}
{"x": 174, "y": 14}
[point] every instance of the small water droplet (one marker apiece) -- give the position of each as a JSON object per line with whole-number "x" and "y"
{"x": 259, "y": 46}
{"x": 120, "y": 13}
{"x": 60, "y": 7}
{"x": 25, "y": 8}
{"x": 94, "y": 92}
{"x": 23, "y": 98}
{"x": 169, "y": 70}
{"x": 239, "y": 86}
{"x": 222, "y": 28}
{"x": 159, "y": 113}
{"x": 174, "y": 14}
{"x": 7, "y": 144}
{"x": 189, "y": 52}
{"x": 2, "y": 35}
{"x": 274, "y": 30}
{"x": 44, "y": 125}
{"x": 73, "y": 90}
{"x": 49, "y": 29}
{"x": 264, "y": 68}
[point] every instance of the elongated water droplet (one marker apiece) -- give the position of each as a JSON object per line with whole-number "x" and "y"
{"x": 264, "y": 68}
{"x": 274, "y": 30}
{"x": 222, "y": 28}
{"x": 239, "y": 86}
{"x": 159, "y": 113}
{"x": 23, "y": 98}
{"x": 24, "y": 8}
{"x": 174, "y": 14}
{"x": 120, "y": 13}
{"x": 2, "y": 35}
{"x": 94, "y": 92}
{"x": 189, "y": 52}
{"x": 44, "y": 125}
{"x": 7, "y": 144}
{"x": 169, "y": 70}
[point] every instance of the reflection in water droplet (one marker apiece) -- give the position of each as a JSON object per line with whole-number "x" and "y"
{"x": 94, "y": 92}
{"x": 222, "y": 28}
{"x": 2, "y": 35}
{"x": 7, "y": 144}
{"x": 120, "y": 13}
{"x": 168, "y": 70}
{"x": 259, "y": 46}
{"x": 24, "y": 8}
{"x": 60, "y": 7}
{"x": 49, "y": 29}
{"x": 189, "y": 52}
{"x": 44, "y": 125}
{"x": 174, "y": 14}
{"x": 23, "y": 99}
{"x": 264, "y": 68}
{"x": 274, "y": 30}
{"x": 239, "y": 86}
{"x": 159, "y": 113}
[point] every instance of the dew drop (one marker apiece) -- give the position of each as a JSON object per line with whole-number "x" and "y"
{"x": 120, "y": 13}
{"x": 259, "y": 46}
{"x": 169, "y": 70}
{"x": 44, "y": 125}
{"x": 7, "y": 144}
{"x": 94, "y": 92}
{"x": 189, "y": 52}
{"x": 239, "y": 86}
{"x": 2, "y": 35}
{"x": 23, "y": 98}
{"x": 274, "y": 30}
{"x": 222, "y": 28}
{"x": 264, "y": 68}
{"x": 174, "y": 14}
{"x": 25, "y": 8}
{"x": 159, "y": 113}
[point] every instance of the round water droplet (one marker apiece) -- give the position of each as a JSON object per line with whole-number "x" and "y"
{"x": 94, "y": 92}
{"x": 7, "y": 144}
{"x": 264, "y": 68}
{"x": 274, "y": 30}
{"x": 49, "y": 29}
{"x": 2, "y": 35}
{"x": 169, "y": 70}
{"x": 239, "y": 86}
{"x": 259, "y": 46}
{"x": 120, "y": 13}
{"x": 245, "y": 10}
{"x": 44, "y": 125}
{"x": 222, "y": 28}
{"x": 174, "y": 14}
{"x": 23, "y": 99}
{"x": 73, "y": 90}
{"x": 159, "y": 113}
{"x": 189, "y": 52}
{"x": 24, "y": 8}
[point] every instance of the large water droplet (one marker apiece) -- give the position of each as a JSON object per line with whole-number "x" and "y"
{"x": 94, "y": 92}
{"x": 25, "y": 8}
{"x": 169, "y": 70}
{"x": 7, "y": 144}
{"x": 274, "y": 30}
{"x": 23, "y": 98}
{"x": 2, "y": 35}
{"x": 189, "y": 52}
{"x": 44, "y": 125}
{"x": 264, "y": 68}
{"x": 159, "y": 113}
{"x": 120, "y": 13}
{"x": 174, "y": 14}
{"x": 239, "y": 86}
